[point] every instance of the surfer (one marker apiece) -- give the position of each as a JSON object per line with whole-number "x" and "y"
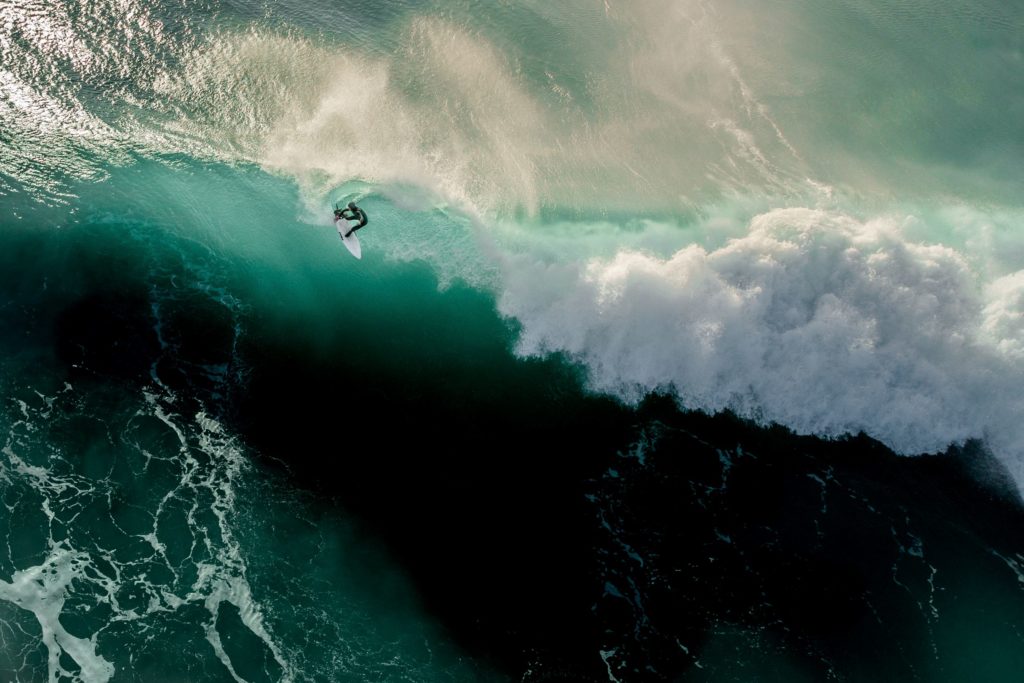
{"x": 352, "y": 213}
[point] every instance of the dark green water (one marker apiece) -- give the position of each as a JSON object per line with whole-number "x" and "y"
{"x": 529, "y": 436}
{"x": 125, "y": 489}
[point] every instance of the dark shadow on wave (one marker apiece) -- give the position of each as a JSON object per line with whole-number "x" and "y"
{"x": 519, "y": 506}
{"x": 558, "y": 535}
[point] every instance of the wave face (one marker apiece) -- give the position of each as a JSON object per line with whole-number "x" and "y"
{"x": 806, "y": 215}
{"x": 809, "y": 218}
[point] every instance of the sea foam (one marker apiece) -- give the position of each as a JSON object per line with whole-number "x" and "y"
{"x": 813, "y": 320}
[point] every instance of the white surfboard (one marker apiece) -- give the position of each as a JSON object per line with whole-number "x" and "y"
{"x": 351, "y": 242}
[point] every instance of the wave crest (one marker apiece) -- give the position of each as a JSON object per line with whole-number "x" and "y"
{"x": 813, "y": 320}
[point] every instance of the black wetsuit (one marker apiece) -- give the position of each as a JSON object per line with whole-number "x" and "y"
{"x": 354, "y": 213}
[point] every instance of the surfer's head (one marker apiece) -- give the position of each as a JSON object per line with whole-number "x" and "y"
{"x": 352, "y": 205}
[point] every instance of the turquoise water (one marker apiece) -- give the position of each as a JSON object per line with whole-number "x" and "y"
{"x": 805, "y": 215}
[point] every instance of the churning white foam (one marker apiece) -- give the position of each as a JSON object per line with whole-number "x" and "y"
{"x": 813, "y": 320}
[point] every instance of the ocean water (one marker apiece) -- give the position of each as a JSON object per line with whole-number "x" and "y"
{"x": 687, "y": 343}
